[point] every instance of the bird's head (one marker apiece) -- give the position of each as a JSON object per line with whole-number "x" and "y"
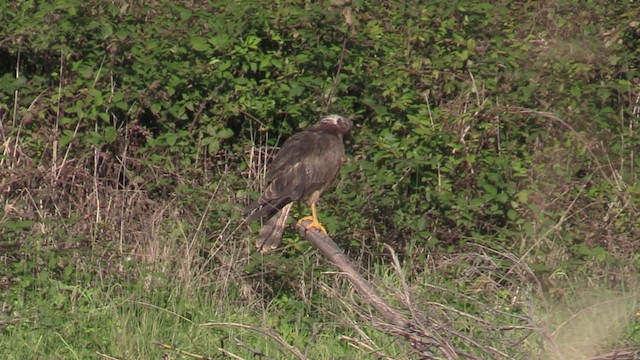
{"x": 333, "y": 123}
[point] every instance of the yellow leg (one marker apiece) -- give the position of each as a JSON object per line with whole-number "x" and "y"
{"x": 315, "y": 223}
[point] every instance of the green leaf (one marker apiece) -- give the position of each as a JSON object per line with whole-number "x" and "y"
{"x": 225, "y": 133}
{"x": 110, "y": 134}
{"x": 214, "y": 146}
{"x": 155, "y": 108}
{"x": 476, "y": 203}
{"x": 171, "y": 138}
{"x": 200, "y": 44}
{"x": 66, "y": 137}
{"x": 490, "y": 189}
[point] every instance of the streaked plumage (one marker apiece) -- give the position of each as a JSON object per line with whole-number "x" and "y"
{"x": 305, "y": 166}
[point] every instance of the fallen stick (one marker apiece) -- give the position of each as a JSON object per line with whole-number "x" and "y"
{"x": 419, "y": 338}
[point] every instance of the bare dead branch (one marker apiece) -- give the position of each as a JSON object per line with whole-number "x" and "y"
{"x": 631, "y": 353}
{"x": 421, "y": 339}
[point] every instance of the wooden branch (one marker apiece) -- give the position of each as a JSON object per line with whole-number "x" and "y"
{"x": 420, "y": 338}
{"x": 631, "y": 353}
{"x": 330, "y": 249}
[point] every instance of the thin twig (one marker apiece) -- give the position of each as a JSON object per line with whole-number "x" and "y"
{"x": 105, "y": 356}
{"x": 268, "y": 333}
{"x": 336, "y": 77}
{"x": 181, "y": 352}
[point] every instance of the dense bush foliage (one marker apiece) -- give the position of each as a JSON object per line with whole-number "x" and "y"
{"x": 450, "y": 98}
{"x": 511, "y": 124}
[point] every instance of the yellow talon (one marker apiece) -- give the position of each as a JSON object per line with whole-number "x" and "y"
{"x": 315, "y": 224}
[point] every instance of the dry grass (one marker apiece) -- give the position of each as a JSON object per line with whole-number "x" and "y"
{"x": 509, "y": 313}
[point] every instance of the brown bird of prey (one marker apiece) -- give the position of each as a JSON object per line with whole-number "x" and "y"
{"x": 305, "y": 166}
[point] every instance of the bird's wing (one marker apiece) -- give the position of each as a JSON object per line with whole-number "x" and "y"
{"x": 280, "y": 191}
{"x": 307, "y": 162}
{"x": 294, "y": 151}
{"x": 284, "y": 180}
